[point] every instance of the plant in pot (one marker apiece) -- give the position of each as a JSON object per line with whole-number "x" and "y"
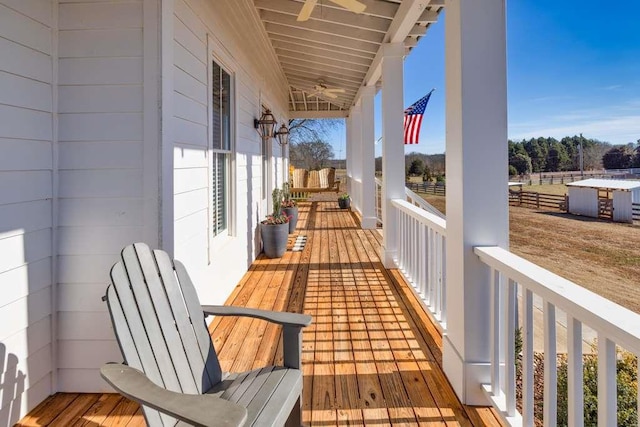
{"x": 274, "y": 229}
{"x": 344, "y": 201}
{"x": 289, "y": 207}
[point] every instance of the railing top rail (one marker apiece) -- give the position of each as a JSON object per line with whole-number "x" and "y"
{"x": 427, "y": 218}
{"x": 423, "y": 203}
{"x": 617, "y": 323}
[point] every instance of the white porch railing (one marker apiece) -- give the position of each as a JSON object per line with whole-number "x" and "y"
{"x": 613, "y": 324}
{"x": 412, "y": 198}
{"x": 421, "y": 256}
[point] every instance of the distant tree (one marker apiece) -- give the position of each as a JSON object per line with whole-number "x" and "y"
{"x": 301, "y": 130}
{"x": 310, "y": 154}
{"x": 558, "y": 159}
{"x": 426, "y": 175}
{"x": 521, "y": 162}
{"x": 512, "y": 171}
{"x": 618, "y": 157}
{"x": 537, "y": 153}
{"x": 416, "y": 168}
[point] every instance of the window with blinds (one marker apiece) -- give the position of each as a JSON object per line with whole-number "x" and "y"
{"x": 221, "y": 147}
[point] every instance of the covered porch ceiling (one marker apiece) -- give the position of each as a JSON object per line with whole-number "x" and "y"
{"x": 338, "y": 49}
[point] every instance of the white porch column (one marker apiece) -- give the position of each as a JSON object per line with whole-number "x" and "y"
{"x": 393, "y": 146}
{"x": 356, "y": 161}
{"x": 348, "y": 155}
{"x": 368, "y": 159}
{"x": 477, "y": 204}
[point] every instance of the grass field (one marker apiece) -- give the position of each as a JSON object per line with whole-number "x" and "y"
{"x": 601, "y": 256}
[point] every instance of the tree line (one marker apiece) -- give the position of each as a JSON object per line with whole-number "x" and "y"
{"x": 552, "y": 155}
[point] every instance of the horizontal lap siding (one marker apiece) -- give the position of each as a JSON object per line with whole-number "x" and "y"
{"x": 26, "y": 138}
{"x": 101, "y": 171}
{"x": 217, "y": 268}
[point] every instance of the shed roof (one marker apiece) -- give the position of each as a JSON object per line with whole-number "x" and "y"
{"x": 610, "y": 184}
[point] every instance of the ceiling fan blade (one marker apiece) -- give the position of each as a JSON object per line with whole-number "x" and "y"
{"x": 329, "y": 95}
{"x": 335, "y": 90}
{"x": 353, "y": 5}
{"x": 305, "y": 13}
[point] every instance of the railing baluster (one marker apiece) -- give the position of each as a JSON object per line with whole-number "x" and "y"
{"x": 575, "y": 393}
{"x": 424, "y": 257}
{"x": 432, "y": 288}
{"x": 607, "y": 378}
{"x": 443, "y": 294}
{"x": 527, "y": 360}
{"x": 438, "y": 287}
{"x": 550, "y": 416}
{"x": 495, "y": 332}
{"x": 427, "y": 295}
{"x": 510, "y": 365}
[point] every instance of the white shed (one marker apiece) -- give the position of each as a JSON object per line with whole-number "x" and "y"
{"x": 586, "y": 197}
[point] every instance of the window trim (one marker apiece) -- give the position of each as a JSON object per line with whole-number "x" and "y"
{"x": 217, "y": 54}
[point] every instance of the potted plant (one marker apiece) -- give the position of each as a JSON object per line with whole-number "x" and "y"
{"x": 274, "y": 229}
{"x": 344, "y": 201}
{"x": 289, "y": 207}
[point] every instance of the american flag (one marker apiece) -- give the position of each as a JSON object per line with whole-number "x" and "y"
{"x": 413, "y": 119}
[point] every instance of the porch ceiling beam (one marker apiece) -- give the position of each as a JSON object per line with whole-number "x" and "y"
{"x": 312, "y": 80}
{"x": 338, "y": 72}
{"x": 327, "y": 39}
{"x": 337, "y": 16}
{"x": 313, "y": 59}
{"x": 304, "y": 97}
{"x": 293, "y": 101}
{"x": 323, "y": 73}
{"x": 323, "y": 27}
{"x": 408, "y": 13}
{"x": 323, "y": 114}
{"x": 308, "y": 86}
{"x": 321, "y": 53}
{"x": 306, "y": 44}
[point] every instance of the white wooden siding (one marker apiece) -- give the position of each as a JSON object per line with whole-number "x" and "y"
{"x": 26, "y": 168}
{"x": 101, "y": 175}
{"x": 238, "y": 45}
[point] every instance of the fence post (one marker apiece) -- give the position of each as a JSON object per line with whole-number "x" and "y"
{"x": 566, "y": 202}
{"x": 538, "y": 200}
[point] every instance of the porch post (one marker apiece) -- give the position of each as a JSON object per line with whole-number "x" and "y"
{"x": 477, "y": 199}
{"x": 393, "y": 146}
{"x": 356, "y": 161}
{"x": 368, "y": 159}
{"x": 348, "y": 154}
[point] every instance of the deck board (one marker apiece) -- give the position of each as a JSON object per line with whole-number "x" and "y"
{"x": 371, "y": 356}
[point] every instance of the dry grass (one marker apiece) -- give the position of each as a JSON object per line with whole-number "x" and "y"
{"x": 601, "y": 256}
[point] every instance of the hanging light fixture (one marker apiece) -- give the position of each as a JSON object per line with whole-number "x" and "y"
{"x": 266, "y": 125}
{"x": 282, "y": 135}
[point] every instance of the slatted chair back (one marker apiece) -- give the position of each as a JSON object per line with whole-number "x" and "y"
{"x": 159, "y": 324}
{"x": 299, "y": 177}
{"x": 327, "y": 177}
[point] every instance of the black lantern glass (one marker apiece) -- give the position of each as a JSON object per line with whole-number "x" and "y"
{"x": 283, "y": 135}
{"x": 266, "y": 125}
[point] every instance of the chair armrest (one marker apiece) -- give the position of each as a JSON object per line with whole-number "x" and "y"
{"x": 279, "y": 317}
{"x": 198, "y": 410}
{"x": 291, "y": 332}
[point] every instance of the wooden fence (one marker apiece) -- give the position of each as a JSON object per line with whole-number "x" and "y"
{"x": 427, "y": 187}
{"x": 531, "y": 199}
{"x": 636, "y": 211}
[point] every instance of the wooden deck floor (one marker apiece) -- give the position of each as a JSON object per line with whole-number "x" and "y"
{"x": 371, "y": 355}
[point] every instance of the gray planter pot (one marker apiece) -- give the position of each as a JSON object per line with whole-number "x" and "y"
{"x": 292, "y": 213}
{"x": 274, "y": 239}
{"x": 344, "y": 203}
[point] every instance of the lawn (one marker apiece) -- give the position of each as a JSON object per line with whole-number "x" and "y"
{"x": 601, "y": 256}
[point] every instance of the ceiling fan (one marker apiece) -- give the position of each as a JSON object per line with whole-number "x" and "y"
{"x": 353, "y": 5}
{"x": 323, "y": 91}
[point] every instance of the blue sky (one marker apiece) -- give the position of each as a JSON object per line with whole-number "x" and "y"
{"x": 573, "y": 66}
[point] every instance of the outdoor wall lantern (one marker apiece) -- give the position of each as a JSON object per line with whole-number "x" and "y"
{"x": 266, "y": 125}
{"x": 282, "y": 135}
